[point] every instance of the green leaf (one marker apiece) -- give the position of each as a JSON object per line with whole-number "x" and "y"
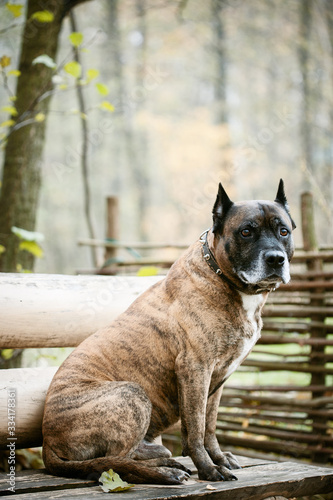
{"x": 9, "y": 109}
{"x": 16, "y": 10}
{"x": 92, "y": 74}
{"x": 147, "y": 271}
{"x": 14, "y": 72}
{"x": 31, "y": 247}
{"x": 2, "y": 249}
{"x": 102, "y": 89}
{"x": 43, "y": 16}
{"x": 5, "y": 61}
{"x": 107, "y": 105}
{"x": 73, "y": 68}
{"x": 7, "y": 353}
{"x": 111, "y": 482}
{"x": 46, "y": 60}
{"x": 25, "y": 235}
{"x": 7, "y": 123}
{"x": 76, "y": 38}
{"x": 40, "y": 117}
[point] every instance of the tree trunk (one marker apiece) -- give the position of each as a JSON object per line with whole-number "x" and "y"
{"x": 304, "y": 57}
{"x": 23, "y": 155}
{"x": 140, "y": 167}
{"x": 220, "y": 84}
{"x": 132, "y": 179}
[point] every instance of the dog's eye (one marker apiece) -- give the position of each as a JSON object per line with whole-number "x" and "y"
{"x": 284, "y": 232}
{"x": 246, "y": 233}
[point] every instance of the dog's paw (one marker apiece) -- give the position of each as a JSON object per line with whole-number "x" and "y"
{"x": 174, "y": 476}
{"x": 167, "y": 462}
{"x": 226, "y": 474}
{"x": 170, "y": 462}
{"x": 218, "y": 473}
{"x": 228, "y": 460}
{"x": 211, "y": 474}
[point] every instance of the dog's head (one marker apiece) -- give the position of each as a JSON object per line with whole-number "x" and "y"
{"x": 253, "y": 241}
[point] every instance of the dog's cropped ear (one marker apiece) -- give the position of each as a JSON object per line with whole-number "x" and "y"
{"x": 220, "y": 209}
{"x": 282, "y": 199}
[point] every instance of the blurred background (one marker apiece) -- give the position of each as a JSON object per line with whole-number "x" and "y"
{"x": 153, "y": 103}
{"x": 198, "y": 93}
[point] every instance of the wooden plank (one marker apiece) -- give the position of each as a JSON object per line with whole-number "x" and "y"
{"x": 39, "y": 480}
{"x": 33, "y": 481}
{"x": 61, "y": 311}
{"x": 259, "y": 482}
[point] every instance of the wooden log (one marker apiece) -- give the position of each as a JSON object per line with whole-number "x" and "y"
{"x": 26, "y": 388}
{"x": 61, "y": 311}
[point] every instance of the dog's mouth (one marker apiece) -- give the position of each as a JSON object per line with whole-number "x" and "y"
{"x": 270, "y": 282}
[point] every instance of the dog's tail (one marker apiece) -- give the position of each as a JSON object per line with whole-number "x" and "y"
{"x": 130, "y": 470}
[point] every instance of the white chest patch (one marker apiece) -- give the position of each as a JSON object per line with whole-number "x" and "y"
{"x": 251, "y": 304}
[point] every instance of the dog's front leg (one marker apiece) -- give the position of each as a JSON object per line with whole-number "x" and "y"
{"x": 193, "y": 384}
{"x": 224, "y": 460}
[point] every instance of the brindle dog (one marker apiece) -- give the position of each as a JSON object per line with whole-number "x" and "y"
{"x": 168, "y": 356}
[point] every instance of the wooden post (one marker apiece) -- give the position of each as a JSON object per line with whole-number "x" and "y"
{"x": 112, "y": 224}
{"x": 317, "y": 351}
{"x": 308, "y": 225}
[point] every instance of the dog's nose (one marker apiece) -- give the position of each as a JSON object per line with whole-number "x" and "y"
{"x": 274, "y": 258}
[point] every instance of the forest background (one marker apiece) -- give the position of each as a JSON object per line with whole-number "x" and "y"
{"x": 178, "y": 96}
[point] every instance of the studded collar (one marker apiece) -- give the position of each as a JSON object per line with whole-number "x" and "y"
{"x": 210, "y": 259}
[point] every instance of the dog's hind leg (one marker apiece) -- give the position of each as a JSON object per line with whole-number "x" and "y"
{"x": 97, "y": 427}
{"x": 96, "y": 419}
{"x": 148, "y": 450}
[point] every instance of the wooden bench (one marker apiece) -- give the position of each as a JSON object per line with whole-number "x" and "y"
{"x": 257, "y": 480}
{"x": 60, "y": 311}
